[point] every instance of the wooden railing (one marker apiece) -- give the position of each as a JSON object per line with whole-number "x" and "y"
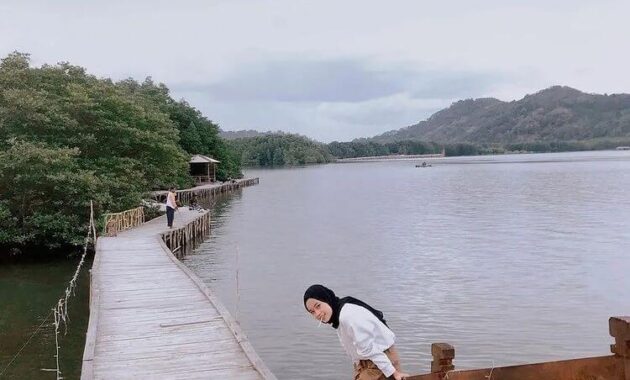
{"x": 182, "y": 241}
{"x": 202, "y": 192}
{"x": 202, "y": 178}
{"x": 612, "y": 367}
{"x": 120, "y": 221}
{"x": 184, "y": 196}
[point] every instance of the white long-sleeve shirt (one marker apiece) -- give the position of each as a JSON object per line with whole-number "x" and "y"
{"x": 171, "y": 200}
{"x": 365, "y": 337}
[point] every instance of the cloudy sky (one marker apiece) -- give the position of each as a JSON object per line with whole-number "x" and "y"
{"x": 331, "y": 70}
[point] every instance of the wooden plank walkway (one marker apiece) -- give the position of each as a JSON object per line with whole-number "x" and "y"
{"x": 152, "y": 318}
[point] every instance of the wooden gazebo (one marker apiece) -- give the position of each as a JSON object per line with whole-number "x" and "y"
{"x": 203, "y": 168}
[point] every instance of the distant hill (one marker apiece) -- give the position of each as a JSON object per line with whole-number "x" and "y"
{"x": 554, "y": 114}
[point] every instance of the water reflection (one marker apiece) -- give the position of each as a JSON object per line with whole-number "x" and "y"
{"x": 512, "y": 259}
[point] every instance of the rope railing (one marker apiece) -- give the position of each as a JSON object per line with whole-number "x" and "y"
{"x": 60, "y": 310}
{"x": 121, "y": 221}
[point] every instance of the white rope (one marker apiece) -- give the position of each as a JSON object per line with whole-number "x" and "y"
{"x": 60, "y": 311}
{"x": 56, "y": 324}
{"x": 489, "y": 377}
{"x": 25, "y": 344}
{"x": 238, "y": 286}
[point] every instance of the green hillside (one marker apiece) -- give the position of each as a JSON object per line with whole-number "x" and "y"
{"x": 556, "y": 114}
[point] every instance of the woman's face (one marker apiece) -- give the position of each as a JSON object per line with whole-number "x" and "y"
{"x": 320, "y": 310}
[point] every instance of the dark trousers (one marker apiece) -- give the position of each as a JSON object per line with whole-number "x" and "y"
{"x": 170, "y": 215}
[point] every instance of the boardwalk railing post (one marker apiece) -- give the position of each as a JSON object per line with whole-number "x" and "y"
{"x": 443, "y": 355}
{"x": 620, "y": 329}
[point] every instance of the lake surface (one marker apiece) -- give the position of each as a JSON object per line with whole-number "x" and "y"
{"x": 511, "y": 259}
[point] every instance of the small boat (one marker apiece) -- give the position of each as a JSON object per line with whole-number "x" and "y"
{"x": 423, "y": 165}
{"x": 623, "y": 148}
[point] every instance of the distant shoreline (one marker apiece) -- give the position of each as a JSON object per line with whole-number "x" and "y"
{"x": 390, "y": 157}
{"x": 402, "y": 157}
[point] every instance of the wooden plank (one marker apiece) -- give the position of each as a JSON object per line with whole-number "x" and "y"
{"x": 233, "y": 374}
{"x": 130, "y": 348}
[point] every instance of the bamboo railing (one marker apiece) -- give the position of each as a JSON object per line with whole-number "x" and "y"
{"x": 184, "y": 196}
{"x": 612, "y": 367}
{"x": 121, "y": 221}
{"x": 183, "y": 240}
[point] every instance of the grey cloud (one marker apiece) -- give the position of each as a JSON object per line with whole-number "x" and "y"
{"x": 338, "y": 81}
{"x": 300, "y": 81}
{"x": 453, "y": 84}
{"x": 335, "y": 99}
{"x": 395, "y": 112}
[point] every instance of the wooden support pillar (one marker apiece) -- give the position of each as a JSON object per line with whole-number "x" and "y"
{"x": 619, "y": 328}
{"x": 443, "y": 355}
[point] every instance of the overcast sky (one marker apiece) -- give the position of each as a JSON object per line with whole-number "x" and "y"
{"x": 331, "y": 70}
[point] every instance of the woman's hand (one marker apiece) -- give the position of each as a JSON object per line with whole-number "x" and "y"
{"x": 400, "y": 375}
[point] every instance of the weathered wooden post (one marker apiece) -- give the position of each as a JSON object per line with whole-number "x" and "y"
{"x": 443, "y": 355}
{"x": 620, "y": 329}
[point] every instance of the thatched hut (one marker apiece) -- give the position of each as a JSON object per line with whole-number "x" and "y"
{"x": 203, "y": 168}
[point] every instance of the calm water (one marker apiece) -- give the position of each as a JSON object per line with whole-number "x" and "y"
{"x": 511, "y": 259}
{"x": 27, "y": 294}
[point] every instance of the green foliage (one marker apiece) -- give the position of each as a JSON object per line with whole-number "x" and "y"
{"x": 201, "y": 136}
{"x": 280, "y": 149}
{"x": 564, "y": 146}
{"x": 45, "y": 194}
{"x": 461, "y": 149}
{"x": 369, "y": 148}
{"x": 68, "y": 137}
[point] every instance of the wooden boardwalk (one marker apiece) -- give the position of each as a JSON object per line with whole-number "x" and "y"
{"x": 206, "y": 190}
{"x": 152, "y": 318}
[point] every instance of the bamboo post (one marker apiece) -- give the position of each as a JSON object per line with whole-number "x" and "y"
{"x": 186, "y": 239}
{"x": 443, "y": 355}
{"x": 619, "y": 328}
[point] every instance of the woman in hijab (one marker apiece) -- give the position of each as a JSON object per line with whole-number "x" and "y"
{"x": 362, "y": 331}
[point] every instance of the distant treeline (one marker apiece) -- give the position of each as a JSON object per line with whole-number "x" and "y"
{"x": 279, "y": 149}
{"x": 283, "y": 149}
{"x": 568, "y": 146}
{"x": 68, "y": 137}
{"x": 369, "y": 148}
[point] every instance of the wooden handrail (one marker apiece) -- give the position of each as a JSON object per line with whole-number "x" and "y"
{"x": 183, "y": 240}
{"x": 121, "y": 221}
{"x": 612, "y": 367}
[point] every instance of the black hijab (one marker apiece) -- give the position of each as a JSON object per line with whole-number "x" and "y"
{"x": 322, "y": 293}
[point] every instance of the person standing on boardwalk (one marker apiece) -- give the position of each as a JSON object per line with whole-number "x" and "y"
{"x": 362, "y": 331}
{"x": 171, "y": 206}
